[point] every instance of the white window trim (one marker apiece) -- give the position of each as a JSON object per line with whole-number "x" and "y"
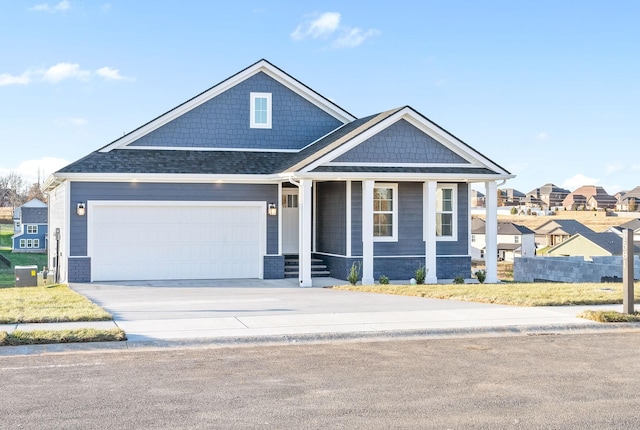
{"x": 23, "y": 243}
{"x": 30, "y": 226}
{"x": 29, "y": 243}
{"x": 394, "y": 213}
{"x": 252, "y": 117}
{"x": 454, "y": 214}
{"x": 36, "y": 243}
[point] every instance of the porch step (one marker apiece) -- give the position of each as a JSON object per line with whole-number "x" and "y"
{"x": 291, "y": 267}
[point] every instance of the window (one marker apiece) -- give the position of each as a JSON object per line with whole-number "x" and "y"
{"x": 446, "y": 212}
{"x": 260, "y": 110}
{"x": 23, "y": 243}
{"x": 516, "y": 239}
{"x": 289, "y": 200}
{"x": 36, "y": 243}
{"x": 385, "y": 218}
{"x": 32, "y": 229}
{"x": 29, "y": 243}
{"x": 473, "y": 238}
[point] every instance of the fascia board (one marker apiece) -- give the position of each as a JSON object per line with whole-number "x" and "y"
{"x": 166, "y": 178}
{"x": 261, "y": 66}
{"x": 390, "y": 176}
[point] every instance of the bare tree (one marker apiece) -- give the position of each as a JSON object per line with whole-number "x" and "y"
{"x": 13, "y": 187}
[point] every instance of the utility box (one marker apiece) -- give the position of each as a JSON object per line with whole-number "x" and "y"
{"x": 26, "y": 276}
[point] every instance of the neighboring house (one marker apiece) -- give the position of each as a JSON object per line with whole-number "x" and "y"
{"x": 259, "y": 167}
{"x": 633, "y": 224}
{"x": 589, "y": 197}
{"x": 547, "y": 196}
{"x": 629, "y": 201}
{"x": 512, "y": 197}
{"x": 514, "y": 240}
{"x": 589, "y": 245}
{"x": 30, "y": 227}
{"x": 477, "y": 199}
{"x": 556, "y": 231}
{"x": 8, "y": 197}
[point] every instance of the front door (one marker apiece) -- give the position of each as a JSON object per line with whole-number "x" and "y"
{"x": 290, "y": 221}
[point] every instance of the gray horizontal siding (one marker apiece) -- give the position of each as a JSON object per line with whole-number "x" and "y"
{"x": 85, "y": 191}
{"x": 223, "y": 122}
{"x": 331, "y": 215}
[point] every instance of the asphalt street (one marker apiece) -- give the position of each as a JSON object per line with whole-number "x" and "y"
{"x": 579, "y": 381}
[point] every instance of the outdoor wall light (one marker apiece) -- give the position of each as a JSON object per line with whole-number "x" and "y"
{"x": 272, "y": 210}
{"x": 81, "y": 210}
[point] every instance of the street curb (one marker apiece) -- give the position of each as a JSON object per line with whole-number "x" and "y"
{"x": 300, "y": 339}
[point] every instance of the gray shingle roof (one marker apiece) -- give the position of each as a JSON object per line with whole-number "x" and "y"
{"x": 34, "y": 215}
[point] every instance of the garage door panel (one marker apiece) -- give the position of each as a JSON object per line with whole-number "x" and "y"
{"x": 138, "y": 242}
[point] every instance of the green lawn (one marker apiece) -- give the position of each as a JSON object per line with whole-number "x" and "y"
{"x": 7, "y": 276}
{"x": 6, "y": 231}
{"x": 60, "y": 336}
{"x": 517, "y": 294}
{"x": 55, "y": 303}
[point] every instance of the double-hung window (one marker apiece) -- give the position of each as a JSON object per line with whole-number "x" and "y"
{"x": 32, "y": 229}
{"x": 260, "y": 115}
{"x": 446, "y": 205}
{"x": 385, "y": 212}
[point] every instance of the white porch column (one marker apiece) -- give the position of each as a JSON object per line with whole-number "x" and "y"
{"x": 304, "y": 253}
{"x": 491, "y": 232}
{"x": 429, "y": 230}
{"x": 367, "y": 232}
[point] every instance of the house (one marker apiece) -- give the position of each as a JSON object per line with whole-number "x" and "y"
{"x": 30, "y": 226}
{"x": 633, "y": 224}
{"x": 259, "y": 168}
{"x": 547, "y": 196}
{"x": 477, "y": 199}
{"x": 556, "y": 231}
{"x": 514, "y": 240}
{"x": 512, "y": 197}
{"x": 629, "y": 201}
{"x": 589, "y": 245}
{"x": 589, "y": 197}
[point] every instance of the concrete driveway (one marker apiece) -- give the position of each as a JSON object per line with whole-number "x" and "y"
{"x": 255, "y": 309}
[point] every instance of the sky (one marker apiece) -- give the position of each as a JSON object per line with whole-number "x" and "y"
{"x": 548, "y": 89}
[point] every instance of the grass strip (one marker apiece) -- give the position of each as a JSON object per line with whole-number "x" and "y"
{"x": 610, "y": 316}
{"x": 39, "y": 337}
{"x": 515, "y": 294}
{"x": 53, "y": 303}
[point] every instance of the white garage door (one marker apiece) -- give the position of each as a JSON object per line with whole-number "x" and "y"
{"x": 175, "y": 240}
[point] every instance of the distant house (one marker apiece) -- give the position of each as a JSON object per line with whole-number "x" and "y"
{"x": 556, "y": 231}
{"x": 513, "y": 240}
{"x": 633, "y": 224}
{"x": 590, "y": 245}
{"x": 589, "y": 197}
{"x": 630, "y": 198}
{"x": 547, "y": 196}
{"x": 30, "y": 224}
{"x": 512, "y": 197}
{"x": 477, "y": 199}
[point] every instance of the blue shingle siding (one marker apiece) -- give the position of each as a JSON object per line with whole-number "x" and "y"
{"x": 331, "y": 216}
{"x": 85, "y": 191}
{"x": 273, "y": 267}
{"x": 401, "y": 143}
{"x": 223, "y": 122}
{"x": 450, "y": 267}
{"x": 80, "y": 269}
{"x": 339, "y": 267}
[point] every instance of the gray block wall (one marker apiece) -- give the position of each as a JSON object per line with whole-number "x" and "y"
{"x": 273, "y": 267}
{"x": 79, "y": 269}
{"x": 569, "y": 269}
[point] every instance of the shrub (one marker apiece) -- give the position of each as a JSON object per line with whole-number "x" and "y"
{"x": 384, "y": 280}
{"x": 354, "y": 273}
{"x": 514, "y": 211}
{"x": 458, "y": 280}
{"x": 481, "y": 275}
{"x": 421, "y": 274}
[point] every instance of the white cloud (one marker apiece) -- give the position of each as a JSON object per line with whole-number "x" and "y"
{"x": 542, "y": 136}
{"x": 73, "y": 121}
{"x": 44, "y": 7}
{"x": 323, "y": 25}
{"x": 614, "y": 167}
{"x": 353, "y": 37}
{"x": 579, "y": 180}
{"x": 111, "y": 74}
{"x": 8, "y": 79}
{"x": 61, "y": 71}
{"x": 29, "y": 169}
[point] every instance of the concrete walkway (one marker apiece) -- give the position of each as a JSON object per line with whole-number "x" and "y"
{"x": 245, "y": 311}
